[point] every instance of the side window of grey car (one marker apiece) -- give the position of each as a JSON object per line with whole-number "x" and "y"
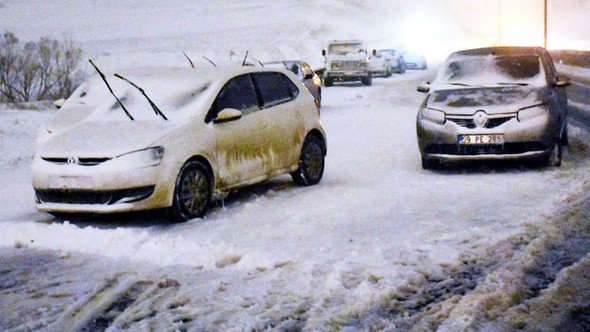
{"x": 237, "y": 93}
{"x": 275, "y": 88}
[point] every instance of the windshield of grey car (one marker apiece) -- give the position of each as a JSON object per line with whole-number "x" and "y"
{"x": 493, "y": 70}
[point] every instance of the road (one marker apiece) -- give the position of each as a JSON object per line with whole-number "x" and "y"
{"x": 579, "y": 96}
{"x": 377, "y": 230}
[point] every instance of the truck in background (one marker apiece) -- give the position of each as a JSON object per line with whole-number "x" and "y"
{"x": 346, "y": 60}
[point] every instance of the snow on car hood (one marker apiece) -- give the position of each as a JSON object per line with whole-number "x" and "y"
{"x": 500, "y": 99}
{"x": 99, "y": 139}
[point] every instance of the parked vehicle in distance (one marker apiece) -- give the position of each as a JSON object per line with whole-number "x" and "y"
{"x": 176, "y": 138}
{"x": 397, "y": 61}
{"x": 346, "y": 60}
{"x": 305, "y": 73}
{"x": 414, "y": 60}
{"x": 380, "y": 64}
{"x": 494, "y": 103}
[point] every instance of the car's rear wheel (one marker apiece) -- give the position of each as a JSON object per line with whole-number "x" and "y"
{"x": 367, "y": 80}
{"x": 192, "y": 193}
{"x": 311, "y": 162}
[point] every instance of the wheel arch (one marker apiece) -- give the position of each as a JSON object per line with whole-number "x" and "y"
{"x": 317, "y": 133}
{"x": 203, "y": 160}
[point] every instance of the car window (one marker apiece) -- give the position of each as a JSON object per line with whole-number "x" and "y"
{"x": 237, "y": 93}
{"x": 482, "y": 70}
{"x": 275, "y": 88}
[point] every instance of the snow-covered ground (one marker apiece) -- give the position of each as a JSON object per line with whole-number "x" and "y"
{"x": 379, "y": 244}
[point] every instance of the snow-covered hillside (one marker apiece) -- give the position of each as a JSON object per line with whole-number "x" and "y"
{"x": 379, "y": 244}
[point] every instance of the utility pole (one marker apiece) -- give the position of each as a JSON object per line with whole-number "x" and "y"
{"x": 545, "y": 26}
{"x": 499, "y": 22}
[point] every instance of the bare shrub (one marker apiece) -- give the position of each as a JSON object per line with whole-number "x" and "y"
{"x": 42, "y": 70}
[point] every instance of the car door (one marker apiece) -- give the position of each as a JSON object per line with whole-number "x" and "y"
{"x": 285, "y": 122}
{"x": 241, "y": 141}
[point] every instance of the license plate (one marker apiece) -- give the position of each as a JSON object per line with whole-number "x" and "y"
{"x": 71, "y": 182}
{"x": 481, "y": 139}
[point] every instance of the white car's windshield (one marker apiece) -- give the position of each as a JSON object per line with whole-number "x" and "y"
{"x": 346, "y": 48}
{"x": 167, "y": 95}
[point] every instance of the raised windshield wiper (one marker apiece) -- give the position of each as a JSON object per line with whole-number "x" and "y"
{"x": 460, "y": 84}
{"x": 110, "y": 89}
{"x": 152, "y": 104}
{"x": 513, "y": 83}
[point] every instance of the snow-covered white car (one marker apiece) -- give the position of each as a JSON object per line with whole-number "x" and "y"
{"x": 176, "y": 138}
{"x": 396, "y": 60}
{"x": 494, "y": 103}
{"x": 380, "y": 64}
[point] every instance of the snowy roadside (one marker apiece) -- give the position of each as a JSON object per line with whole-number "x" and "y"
{"x": 267, "y": 277}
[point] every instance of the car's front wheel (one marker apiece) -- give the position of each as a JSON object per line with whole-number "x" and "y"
{"x": 311, "y": 162}
{"x": 367, "y": 80}
{"x": 192, "y": 193}
{"x": 428, "y": 163}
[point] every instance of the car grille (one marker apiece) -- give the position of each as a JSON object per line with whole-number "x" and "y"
{"x": 103, "y": 197}
{"x": 77, "y": 161}
{"x": 470, "y": 150}
{"x": 469, "y": 122}
{"x": 348, "y": 65}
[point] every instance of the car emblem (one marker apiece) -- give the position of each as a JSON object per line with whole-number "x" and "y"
{"x": 72, "y": 160}
{"x": 480, "y": 118}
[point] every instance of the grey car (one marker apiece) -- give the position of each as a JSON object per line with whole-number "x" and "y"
{"x": 306, "y": 75}
{"x": 494, "y": 103}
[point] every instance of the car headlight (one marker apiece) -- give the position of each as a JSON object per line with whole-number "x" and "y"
{"x": 141, "y": 158}
{"x": 531, "y": 112}
{"x": 433, "y": 115}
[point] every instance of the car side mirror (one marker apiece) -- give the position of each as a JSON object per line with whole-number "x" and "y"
{"x": 59, "y": 103}
{"x": 324, "y": 52}
{"x": 374, "y": 52}
{"x": 562, "y": 81}
{"x": 227, "y": 115}
{"x": 424, "y": 87}
{"x": 308, "y": 76}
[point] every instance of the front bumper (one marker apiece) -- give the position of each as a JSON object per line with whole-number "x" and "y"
{"x": 522, "y": 140}
{"x": 99, "y": 189}
{"x": 347, "y": 75}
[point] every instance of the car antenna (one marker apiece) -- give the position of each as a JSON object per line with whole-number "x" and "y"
{"x": 189, "y": 60}
{"x": 261, "y": 64}
{"x": 110, "y": 89}
{"x": 245, "y": 57}
{"x": 213, "y": 63}
{"x": 152, "y": 104}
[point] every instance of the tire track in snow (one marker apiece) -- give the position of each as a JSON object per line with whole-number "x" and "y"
{"x": 97, "y": 312}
